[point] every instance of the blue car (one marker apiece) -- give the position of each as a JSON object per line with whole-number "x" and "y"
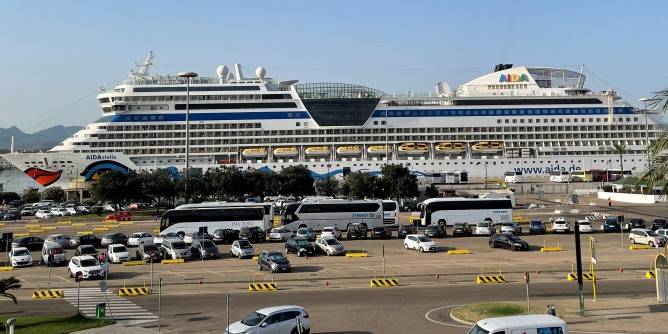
{"x": 611, "y": 225}
{"x": 537, "y": 227}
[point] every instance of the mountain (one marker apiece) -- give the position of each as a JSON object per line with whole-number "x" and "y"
{"x": 39, "y": 141}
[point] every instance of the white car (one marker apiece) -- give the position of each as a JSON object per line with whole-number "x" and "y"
{"x": 306, "y": 233}
{"x": 280, "y": 234}
{"x": 117, "y": 253}
{"x": 273, "y": 320}
{"x": 242, "y": 248}
{"x": 662, "y": 232}
{"x": 20, "y": 257}
{"x": 646, "y": 236}
{"x": 139, "y": 238}
{"x": 60, "y": 212}
{"x": 71, "y": 210}
{"x": 511, "y": 227}
{"x": 89, "y": 267}
{"x": 584, "y": 226}
{"x": 329, "y": 231}
{"x": 329, "y": 245}
{"x": 162, "y": 236}
{"x": 43, "y": 214}
{"x": 483, "y": 228}
{"x": 560, "y": 225}
{"x": 420, "y": 242}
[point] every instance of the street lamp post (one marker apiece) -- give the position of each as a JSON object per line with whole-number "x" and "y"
{"x": 485, "y": 165}
{"x": 387, "y": 133}
{"x": 644, "y": 100}
{"x": 189, "y": 76}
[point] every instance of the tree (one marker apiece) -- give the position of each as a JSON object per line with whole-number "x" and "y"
{"x": 658, "y": 169}
{"x": 398, "y": 182}
{"x": 197, "y": 192}
{"x": 7, "y": 284}
{"x": 111, "y": 186}
{"x": 297, "y": 181}
{"x": 227, "y": 183}
{"x": 56, "y": 194}
{"x": 161, "y": 185}
{"x": 31, "y": 196}
{"x": 361, "y": 185}
{"x": 257, "y": 182}
{"x": 431, "y": 191}
{"x": 619, "y": 148}
{"x": 328, "y": 186}
{"x": 9, "y": 196}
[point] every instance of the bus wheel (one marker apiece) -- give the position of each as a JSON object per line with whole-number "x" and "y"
{"x": 441, "y": 222}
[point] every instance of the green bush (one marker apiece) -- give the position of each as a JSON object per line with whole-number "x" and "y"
{"x": 97, "y": 210}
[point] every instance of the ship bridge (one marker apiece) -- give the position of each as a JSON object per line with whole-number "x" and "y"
{"x": 338, "y": 104}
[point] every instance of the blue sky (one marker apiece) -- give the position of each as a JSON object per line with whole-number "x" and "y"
{"x": 55, "y": 54}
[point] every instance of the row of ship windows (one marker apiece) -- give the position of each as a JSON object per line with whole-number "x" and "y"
{"x": 498, "y": 112}
{"x": 508, "y": 86}
{"x": 152, "y": 98}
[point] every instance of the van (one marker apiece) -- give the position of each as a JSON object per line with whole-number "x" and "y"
{"x": 560, "y": 176}
{"x": 513, "y": 177}
{"x": 529, "y": 324}
{"x": 53, "y": 253}
{"x": 483, "y": 228}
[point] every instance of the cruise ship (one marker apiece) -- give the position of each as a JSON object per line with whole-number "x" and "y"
{"x": 530, "y": 119}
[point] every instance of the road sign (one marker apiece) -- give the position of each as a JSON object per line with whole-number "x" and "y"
{"x": 526, "y": 277}
{"x": 78, "y": 277}
{"x": 592, "y": 247}
{"x": 103, "y": 286}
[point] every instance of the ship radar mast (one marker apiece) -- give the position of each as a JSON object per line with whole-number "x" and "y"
{"x": 143, "y": 68}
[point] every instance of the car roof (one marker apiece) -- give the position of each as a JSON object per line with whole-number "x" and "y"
{"x": 19, "y": 248}
{"x": 115, "y": 245}
{"x": 274, "y": 309}
{"x": 641, "y": 229}
{"x": 83, "y": 257}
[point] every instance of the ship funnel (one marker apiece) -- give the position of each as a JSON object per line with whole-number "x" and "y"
{"x": 237, "y": 68}
{"x": 498, "y": 67}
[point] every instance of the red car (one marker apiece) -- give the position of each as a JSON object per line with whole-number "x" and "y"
{"x": 121, "y": 215}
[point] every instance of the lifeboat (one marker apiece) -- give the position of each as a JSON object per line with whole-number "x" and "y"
{"x": 254, "y": 152}
{"x": 378, "y": 149}
{"x": 487, "y": 147}
{"x": 285, "y": 151}
{"x": 450, "y": 147}
{"x": 413, "y": 148}
{"x": 349, "y": 150}
{"x": 317, "y": 151}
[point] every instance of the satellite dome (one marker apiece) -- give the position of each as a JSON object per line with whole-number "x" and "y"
{"x": 260, "y": 72}
{"x": 222, "y": 71}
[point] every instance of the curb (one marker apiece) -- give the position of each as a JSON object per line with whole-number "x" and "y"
{"x": 459, "y": 320}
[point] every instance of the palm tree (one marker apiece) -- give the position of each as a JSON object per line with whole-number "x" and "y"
{"x": 658, "y": 170}
{"x": 7, "y": 284}
{"x": 620, "y": 148}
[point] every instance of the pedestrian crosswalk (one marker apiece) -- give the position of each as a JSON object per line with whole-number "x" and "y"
{"x": 117, "y": 308}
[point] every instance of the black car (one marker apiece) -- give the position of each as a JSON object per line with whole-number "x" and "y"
{"x": 86, "y": 250}
{"x": 658, "y": 223}
{"x": 114, "y": 238}
{"x": 382, "y": 232}
{"x": 32, "y": 243}
{"x": 611, "y": 225}
{"x": 299, "y": 246}
{"x": 406, "y": 229}
{"x": 252, "y": 233}
{"x": 204, "y": 248}
{"x": 635, "y": 223}
{"x": 435, "y": 231}
{"x": 147, "y": 251}
{"x": 274, "y": 261}
{"x": 86, "y": 239}
{"x": 509, "y": 241}
{"x": 356, "y": 230}
{"x": 463, "y": 229}
{"x": 12, "y": 215}
{"x": 225, "y": 235}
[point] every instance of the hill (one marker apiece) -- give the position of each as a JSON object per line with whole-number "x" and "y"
{"x": 38, "y": 141}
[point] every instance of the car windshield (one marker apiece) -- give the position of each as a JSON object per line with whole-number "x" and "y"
{"x": 149, "y": 248}
{"x": 206, "y": 243}
{"x": 253, "y": 319}
{"x": 135, "y": 235}
{"x": 302, "y": 243}
{"x": 119, "y": 249}
{"x": 275, "y": 230}
{"x": 508, "y": 224}
{"x": 88, "y": 263}
{"x": 332, "y": 241}
{"x": 88, "y": 250}
{"x": 22, "y": 252}
{"x": 652, "y": 233}
{"x": 483, "y": 224}
{"x": 302, "y": 231}
{"x": 513, "y": 238}
{"x": 536, "y": 223}
{"x": 275, "y": 257}
{"x": 179, "y": 245}
{"x": 245, "y": 244}
{"x": 585, "y": 224}
{"x": 160, "y": 236}
{"x": 423, "y": 238}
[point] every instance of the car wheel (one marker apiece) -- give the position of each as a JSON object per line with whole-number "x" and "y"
{"x": 329, "y": 253}
{"x": 271, "y": 270}
{"x": 287, "y": 251}
{"x": 421, "y": 250}
{"x": 294, "y": 331}
{"x": 69, "y": 273}
{"x": 259, "y": 266}
{"x": 512, "y": 248}
{"x": 406, "y": 246}
{"x": 633, "y": 241}
{"x": 651, "y": 244}
{"x": 240, "y": 256}
{"x": 491, "y": 244}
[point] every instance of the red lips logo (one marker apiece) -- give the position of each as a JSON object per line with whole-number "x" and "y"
{"x": 43, "y": 177}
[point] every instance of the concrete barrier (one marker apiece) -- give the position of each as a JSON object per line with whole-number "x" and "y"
{"x": 384, "y": 282}
{"x": 6, "y": 268}
{"x": 650, "y": 274}
{"x": 36, "y": 231}
{"x": 262, "y": 286}
{"x": 49, "y": 228}
{"x": 16, "y": 235}
{"x": 67, "y": 222}
{"x": 79, "y": 224}
{"x": 551, "y": 249}
{"x": 100, "y": 229}
{"x": 133, "y": 291}
{"x": 84, "y": 232}
{"x": 459, "y": 251}
{"x": 585, "y": 276}
{"x": 491, "y": 279}
{"x": 134, "y": 263}
{"x": 634, "y": 247}
{"x": 40, "y": 294}
{"x": 357, "y": 254}
{"x": 172, "y": 261}
{"x": 126, "y": 223}
{"x": 31, "y": 226}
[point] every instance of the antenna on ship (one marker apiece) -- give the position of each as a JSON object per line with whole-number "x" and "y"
{"x": 143, "y": 68}
{"x": 581, "y": 77}
{"x": 237, "y": 68}
{"x": 102, "y": 88}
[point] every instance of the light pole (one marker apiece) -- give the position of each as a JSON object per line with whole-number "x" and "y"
{"x": 328, "y": 166}
{"x": 644, "y": 100}
{"x": 387, "y": 133}
{"x": 485, "y": 165}
{"x": 189, "y": 76}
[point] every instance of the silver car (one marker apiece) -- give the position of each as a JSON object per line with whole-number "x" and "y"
{"x": 242, "y": 248}
{"x": 62, "y": 239}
